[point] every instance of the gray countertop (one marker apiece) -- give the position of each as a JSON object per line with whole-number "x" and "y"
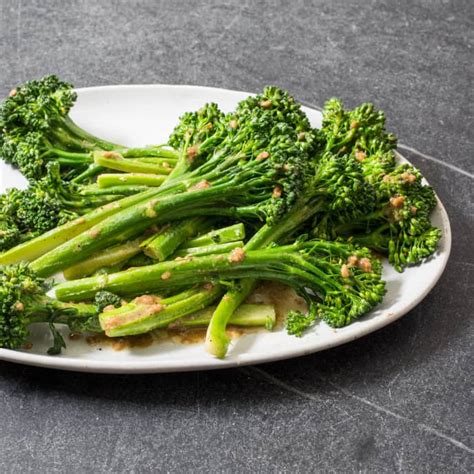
{"x": 397, "y": 400}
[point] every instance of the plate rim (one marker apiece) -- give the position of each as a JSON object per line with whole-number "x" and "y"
{"x": 168, "y": 365}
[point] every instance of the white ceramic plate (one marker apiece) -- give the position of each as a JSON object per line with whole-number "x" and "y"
{"x": 139, "y": 115}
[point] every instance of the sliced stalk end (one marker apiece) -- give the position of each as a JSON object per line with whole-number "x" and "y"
{"x": 217, "y": 342}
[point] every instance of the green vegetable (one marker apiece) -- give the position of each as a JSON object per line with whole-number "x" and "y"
{"x": 103, "y": 299}
{"x": 139, "y": 260}
{"x": 217, "y": 341}
{"x": 224, "y": 235}
{"x": 47, "y": 203}
{"x": 353, "y": 156}
{"x": 146, "y": 313}
{"x": 10, "y": 234}
{"x": 118, "y": 191}
{"x": 332, "y": 182}
{"x": 246, "y": 315}
{"x": 115, "y": 161}
{"x": 399, "y": 222}
{"x": 109, "y": 257}
{"x": 166, "y": 241}
{"x": 297, "y": 323}
{"x": 23, "y": 301}
{"x": 116, "y": 180}
{"x": 261, "y": 155}
{"x": 231, "y": 199}
{"x": 208, "y": 249}
{"x": 37, "y": 129}
{"x": 345, "y": 291}
{"x": 55, "y": 237}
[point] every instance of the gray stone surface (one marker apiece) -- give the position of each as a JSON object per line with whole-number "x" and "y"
{"x": 397, "y": 400}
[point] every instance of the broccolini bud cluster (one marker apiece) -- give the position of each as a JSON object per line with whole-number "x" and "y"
{"x": 394, "y": 215}
{"x": 47, "y": 203}
{"x": 23, "y": 301}
{"x": 21, "y": 296}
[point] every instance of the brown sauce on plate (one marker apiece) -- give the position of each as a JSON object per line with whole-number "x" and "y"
{"x": 120, "y": 343}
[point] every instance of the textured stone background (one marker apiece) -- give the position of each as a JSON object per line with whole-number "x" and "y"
{"x": 397, "y": 400}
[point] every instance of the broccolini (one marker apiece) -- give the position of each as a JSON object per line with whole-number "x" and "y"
{"x": 231, "y": 199}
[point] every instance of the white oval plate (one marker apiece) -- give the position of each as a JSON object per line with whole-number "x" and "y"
{"x": 145, "y": 114}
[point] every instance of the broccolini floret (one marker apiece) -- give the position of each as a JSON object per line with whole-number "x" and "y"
{"x": 398, "y": 224}
{"x": 10, "y": 234}
{"x": 35, "y": 128}
{"x": 23, "y": 301}
{"x": 103, "y": 299}
{"x": 44, "y": 205}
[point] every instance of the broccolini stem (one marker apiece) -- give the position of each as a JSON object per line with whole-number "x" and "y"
{"x": 116, "y": 161}
{"x": 119, "y": 179}
{"x": 117, "y": 191}
{"x": 246, "y": 315}
{"x": 208, "y": 249}
{"x": 107, "y": 258}
{"x": 156, "y": 160}
{"x": 70, "y": 125}
{"x": 69, "y": 162}
{"x": 151, "y": 156}
{"x": 282, "y": 264}
{"x": 116, "y": 256}
{"x": 49, "y": 310}
{"x": 162, "y": 245}
{"x": 145, "y": 313}
{"x": 54, "y": 238}
{"x": 140, "y": 260}
{"x": 182, "y": 165}
{"x": 91, "y": 171}
{"x": 217, "y": 341}
{"x": 376, "y": 240}
{"x": 218, "y": 236}
{"x": 130, "y": 222}
{"x": 151, "y": 153}
{"x": 72, "y": 142}
{"x": 48, "y": 241}
{"x": 72, "y": 156}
